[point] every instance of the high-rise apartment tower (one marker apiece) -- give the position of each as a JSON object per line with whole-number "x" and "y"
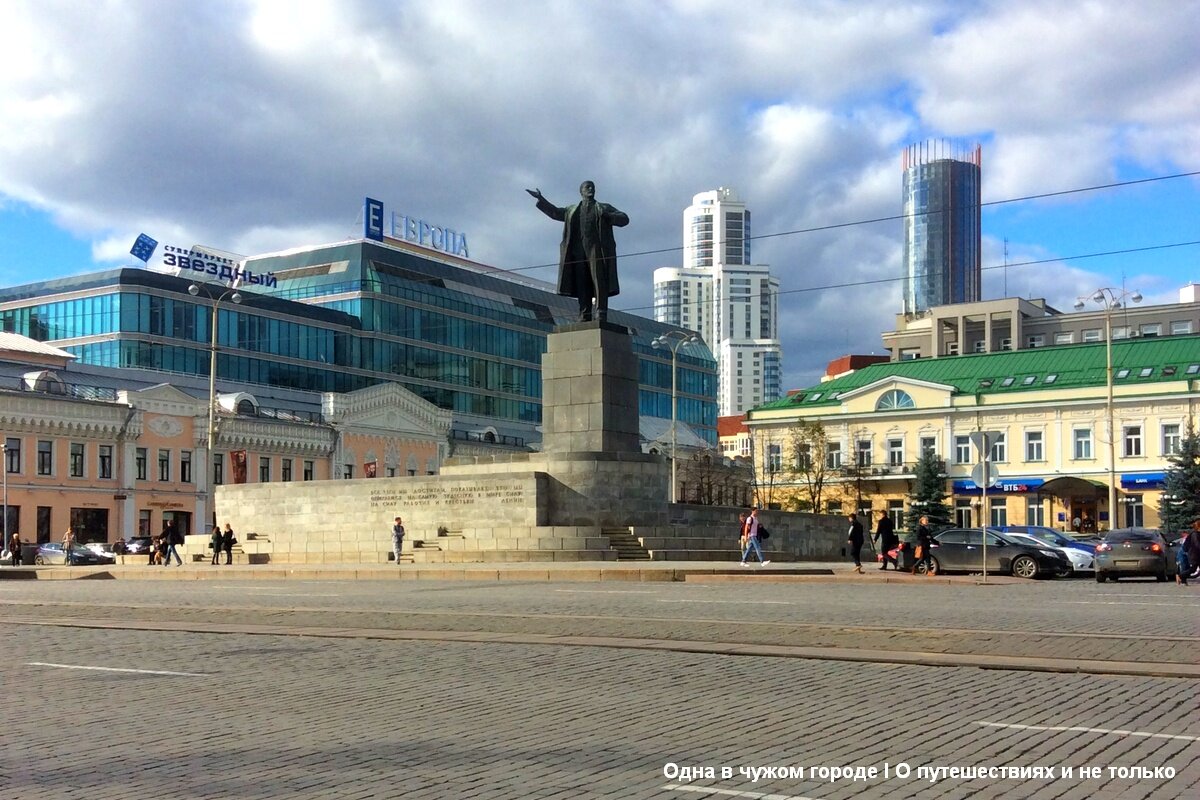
{"x": 941, "y": 226}
{"x": 722, "y": 295}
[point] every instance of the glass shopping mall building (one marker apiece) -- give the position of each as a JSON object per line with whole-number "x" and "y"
{"x": 340, "y": 317}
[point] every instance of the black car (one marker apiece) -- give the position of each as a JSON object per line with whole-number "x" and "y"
{"x": 961, "y": 550}
{"x": 137, "y": 544}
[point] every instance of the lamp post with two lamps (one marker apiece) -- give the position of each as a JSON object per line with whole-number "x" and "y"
{"x": 236, "y": 297}
{"x": 1110, "y": 299}
{"x": 673, "y": 340}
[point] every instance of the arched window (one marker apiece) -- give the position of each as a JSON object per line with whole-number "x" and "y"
{"x": 894, "y": 399}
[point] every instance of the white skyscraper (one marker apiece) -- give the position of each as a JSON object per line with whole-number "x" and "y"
{"x": 731, "y": 302}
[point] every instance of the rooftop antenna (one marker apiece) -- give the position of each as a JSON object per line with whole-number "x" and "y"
{"x": 1006, "y": 266}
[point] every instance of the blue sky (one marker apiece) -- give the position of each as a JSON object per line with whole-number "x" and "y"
{"x": 259, "y": 125}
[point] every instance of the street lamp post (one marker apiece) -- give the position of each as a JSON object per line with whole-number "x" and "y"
{"x": 1110, "y": 299}
{"x": 4, "y": 466}
{"x": 236, "y": 297}
{"x": 673, "y": 340}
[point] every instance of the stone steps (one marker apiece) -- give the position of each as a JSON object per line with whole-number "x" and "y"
{"x": 428, "y": 556}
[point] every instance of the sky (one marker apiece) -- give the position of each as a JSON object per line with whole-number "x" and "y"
{"x": 253, "y": 127}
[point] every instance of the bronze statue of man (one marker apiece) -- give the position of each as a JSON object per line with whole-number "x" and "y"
{"x": 587, "y": 265}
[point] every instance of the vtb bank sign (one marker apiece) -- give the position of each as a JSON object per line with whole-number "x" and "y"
{"x": 400, "y": 226}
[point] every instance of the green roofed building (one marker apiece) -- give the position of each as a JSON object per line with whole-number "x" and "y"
{"x": 1049, "y": 408}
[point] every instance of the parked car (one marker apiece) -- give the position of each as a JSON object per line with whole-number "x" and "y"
{"x": 961, "y": 550}
{"x": 52, "y": 553}
{"x": 101, "y": 548}
{"x": 137, "y": 544}
{"x": 1082, "y": 555}
{"x": 1130, "y": 552}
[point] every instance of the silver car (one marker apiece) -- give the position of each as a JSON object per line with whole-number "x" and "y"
{"x": 1130, "y": 552}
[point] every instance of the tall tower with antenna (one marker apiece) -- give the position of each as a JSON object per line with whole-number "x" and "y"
{"x": 942, "y": 240}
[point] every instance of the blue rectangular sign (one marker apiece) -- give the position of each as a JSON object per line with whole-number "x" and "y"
{"x": 373, "y": 219}
{"x": 143, "y": 248}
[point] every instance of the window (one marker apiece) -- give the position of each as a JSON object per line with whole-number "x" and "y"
{"x": 1122, "y": 373}
{"x": 309, "y": 473}
{"x": 1006, "y": 344}
{"x": 1035, "y": 512}
{"x": 45, "y": 458}
{"x": 1171, "y": 440}
{"x": 895, "y": 512}
{"x": 1151, "y": 329}
{"x": 962, "y": 512}
{"x": 1028, "y": 380}
{"x": 895, "y": 452}
{"x": 264, "y": 469}
{"x": 834, "y": 507}
{"x": 164, "y": 465}
{"x": 144, "y": 522}
{"x": 962, "y": 450}
{"x": 1120, "y": 332}
{"x": 1067, "y": 337}
{"x": 774, "y": 458}
{"x": 347, "y": 471}
{"x": 980, "y": 346}
{"x": 1051, "y": 378}
{"x": 1133, "y": 441}
{"x": 12, "y": 455}
{"x": 105, "y": 462}
{"x": 185, "y": 466}
{"x": 894, "y": 399}
{"x": 928, "y": 444}
{"x": 75, "y": 467}
{"x": 218, "y": 464}
{"x": 951, "y": 349}
{"x": 139, "y": 460}
{"x": 1181, "y": 327}
{"x": 804, "y": 460}
{"x": 1007, "y": 382}
{"x": 1134, "y": 511}
{"x": 1083, "y": 444}
{"x": 1036, "y": 340}
{"x": 833, "y": 455}
{"x": 1000, "y": 448}
{"x": 286, "y": 469}
{"x": 864, "y": 452}
{"x": 1145, "y": 372}
{"x": 1093, "y": 335}
{"x": 999, "y": 512}
{"x": 1033, "y": 446}
{"x": 1192, "y": 369}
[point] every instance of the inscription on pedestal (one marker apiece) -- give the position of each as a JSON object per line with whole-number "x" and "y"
{"x": 462, "y": 496}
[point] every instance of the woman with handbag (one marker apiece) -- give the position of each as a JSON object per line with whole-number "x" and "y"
{"x": 924, "y": 552}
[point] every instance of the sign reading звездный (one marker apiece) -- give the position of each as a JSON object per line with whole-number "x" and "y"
{"x": 411, "y": 229}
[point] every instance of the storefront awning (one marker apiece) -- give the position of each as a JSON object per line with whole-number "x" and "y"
{"x": 1078, "y": 488}
{"x": 1144, "y": 480}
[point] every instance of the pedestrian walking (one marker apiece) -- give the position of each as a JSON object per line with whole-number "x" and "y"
{"x": 885, "y": 534}
{"x": 216, "y": 544}
{"x": 173, "y": 538}
{"x": 742, "y": 531}
{"x": 68, "y": 541}
{"x": 228, "y": 540}
{"x": 855, "y": 540}
{"x": 14, "y": 548}
{"x": 924, "y": 548}
{"x": 120, "y": 549}
{"x": 752, "y": 539}
{"x": 398, "y": 539}
{"x": 1192, "y": 546}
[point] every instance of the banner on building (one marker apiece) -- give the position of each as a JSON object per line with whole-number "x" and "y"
{"x": 238, "y": 459}
{"x": 369, "y": 469}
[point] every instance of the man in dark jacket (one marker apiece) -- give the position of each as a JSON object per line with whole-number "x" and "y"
{"x": 885, "y": 535}
{"x": 855, "y": 540}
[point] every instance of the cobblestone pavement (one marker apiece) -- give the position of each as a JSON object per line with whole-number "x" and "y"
{"x": 1130, "y": 622}
{"x": 299, "y": 717}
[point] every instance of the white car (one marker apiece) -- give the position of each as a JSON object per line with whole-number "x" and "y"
{"x": 1081, "y": 561}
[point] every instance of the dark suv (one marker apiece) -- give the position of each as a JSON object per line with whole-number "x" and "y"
{"x": 961, "y": 550}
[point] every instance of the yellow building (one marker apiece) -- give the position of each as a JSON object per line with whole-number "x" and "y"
{"x": 1054, "y": 461}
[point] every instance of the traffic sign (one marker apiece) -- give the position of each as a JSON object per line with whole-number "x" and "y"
{"x": 984, "y": 474}
{"x": 983, "y": 441}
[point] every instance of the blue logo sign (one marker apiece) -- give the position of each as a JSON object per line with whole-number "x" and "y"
{"x": 143, "y": 248}
{"x": 373, "y": 220}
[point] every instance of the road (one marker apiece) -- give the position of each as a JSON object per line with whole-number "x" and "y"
{"x": 271, "y": 689}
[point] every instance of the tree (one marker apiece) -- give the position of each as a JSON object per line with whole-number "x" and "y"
{"x": 1180, "y": 500}
{"x": 809, "y": 465}
{"x": 928, "y": 496}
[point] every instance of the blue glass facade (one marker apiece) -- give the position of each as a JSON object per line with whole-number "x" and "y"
{"x": 942, "y": 231}
{"x": 344, "y": 317}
